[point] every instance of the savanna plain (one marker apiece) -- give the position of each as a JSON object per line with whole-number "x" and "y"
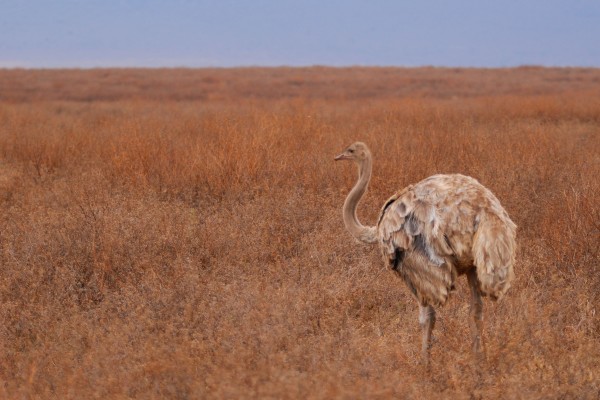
{"x": 178, "y": 233}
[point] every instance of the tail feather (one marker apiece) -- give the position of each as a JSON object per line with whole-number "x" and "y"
{"x": 494, "y": 247}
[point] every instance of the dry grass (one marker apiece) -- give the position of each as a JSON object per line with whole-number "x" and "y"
{"x": 178, "y": 233}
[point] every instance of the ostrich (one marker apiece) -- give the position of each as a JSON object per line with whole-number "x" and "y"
{"x": 431, "y": 232}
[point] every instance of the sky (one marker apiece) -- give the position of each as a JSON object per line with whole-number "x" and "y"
{"x": 226, "y": 33}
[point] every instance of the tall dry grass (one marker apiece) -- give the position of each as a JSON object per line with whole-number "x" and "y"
{"x": 178, "y": 233}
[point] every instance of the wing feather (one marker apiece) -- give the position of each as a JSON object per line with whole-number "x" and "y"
{"x": 406, "y": 217}
{"x": 413, "y": 244}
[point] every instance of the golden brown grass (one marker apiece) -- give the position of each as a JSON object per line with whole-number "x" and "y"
{"x": 178, "y": 233}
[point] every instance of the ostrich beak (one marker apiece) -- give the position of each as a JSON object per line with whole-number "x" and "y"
{"x": 341, "y": 156}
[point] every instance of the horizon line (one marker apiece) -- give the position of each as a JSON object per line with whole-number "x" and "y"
{"x": 302, "y": 66}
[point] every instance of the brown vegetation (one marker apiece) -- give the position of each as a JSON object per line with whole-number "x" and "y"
{"x": 178, "y": 233}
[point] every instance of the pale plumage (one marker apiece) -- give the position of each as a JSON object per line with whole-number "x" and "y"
{"x": 431, "y": 232}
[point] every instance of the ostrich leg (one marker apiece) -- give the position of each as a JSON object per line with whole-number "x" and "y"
{"x": 427, "y": 321}
{"x": 476, "y": 313}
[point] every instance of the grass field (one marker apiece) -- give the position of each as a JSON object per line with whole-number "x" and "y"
{"x": 178, "y": 233}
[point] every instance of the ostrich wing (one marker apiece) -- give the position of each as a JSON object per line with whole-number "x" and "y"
{"x": 412, "y": 242}
{"x": 410, "y": 223}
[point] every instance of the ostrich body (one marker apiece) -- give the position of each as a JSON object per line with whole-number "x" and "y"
{"x": 433, "y": 231}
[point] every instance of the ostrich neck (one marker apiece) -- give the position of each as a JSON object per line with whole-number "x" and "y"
{"x": 362, "y": 233}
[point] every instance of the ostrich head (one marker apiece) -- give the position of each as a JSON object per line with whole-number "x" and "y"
{"x": 357, "y": 152}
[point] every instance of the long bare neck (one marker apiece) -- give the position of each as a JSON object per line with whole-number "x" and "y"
{"x": 366, "y": 234}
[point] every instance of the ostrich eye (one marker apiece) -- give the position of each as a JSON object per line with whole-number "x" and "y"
{"x": 350, "y": 150}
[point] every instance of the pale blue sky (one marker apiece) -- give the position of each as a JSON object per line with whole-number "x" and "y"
{"x": 153, "y": 33}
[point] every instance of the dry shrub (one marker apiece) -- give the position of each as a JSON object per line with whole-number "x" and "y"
{"x": 178, "y": 233}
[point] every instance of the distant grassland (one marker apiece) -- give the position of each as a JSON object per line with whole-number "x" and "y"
{"x": 178, "y": 233}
